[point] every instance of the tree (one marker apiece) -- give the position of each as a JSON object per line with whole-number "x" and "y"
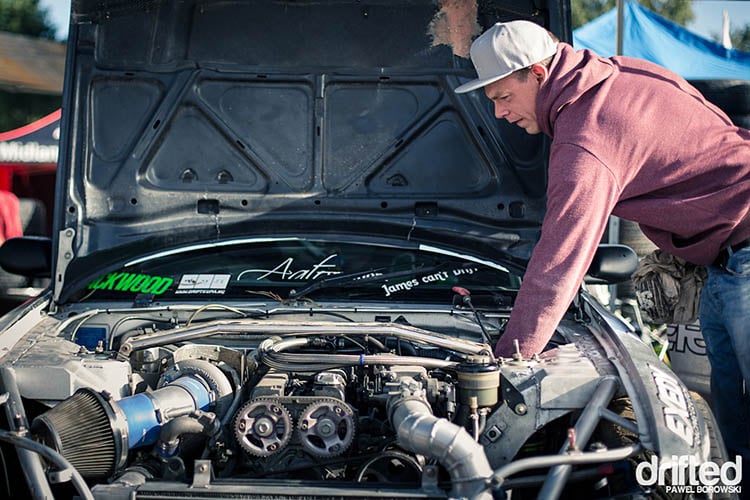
{"x": 17, "y": 109}
{"x": 26, "y": 17}
{"x": 678, "y": 11}
{"x": 741, "y": 38}
{"x": 584, "y": 11}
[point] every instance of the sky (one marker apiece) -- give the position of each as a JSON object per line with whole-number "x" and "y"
{"x": 708, "y": 15}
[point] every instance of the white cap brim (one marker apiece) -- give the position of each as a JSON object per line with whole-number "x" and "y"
{"x": 478, "y": 83}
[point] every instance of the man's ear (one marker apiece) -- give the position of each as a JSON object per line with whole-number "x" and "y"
{"x": 539, "y": 72}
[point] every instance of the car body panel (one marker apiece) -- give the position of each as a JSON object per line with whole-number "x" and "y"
{"x": 288, "y": 132}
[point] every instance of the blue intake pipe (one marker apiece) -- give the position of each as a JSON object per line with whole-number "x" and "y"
{"x": 94, "y": 432}
{"x": 146, "y": 412}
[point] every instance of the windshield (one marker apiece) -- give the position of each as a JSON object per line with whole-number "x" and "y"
{"x": 301, "y": 268}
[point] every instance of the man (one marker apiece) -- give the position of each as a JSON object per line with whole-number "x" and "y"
{"x": 632, "y": 139}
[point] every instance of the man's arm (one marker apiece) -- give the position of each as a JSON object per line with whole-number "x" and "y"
{"x": 581, "y": 194}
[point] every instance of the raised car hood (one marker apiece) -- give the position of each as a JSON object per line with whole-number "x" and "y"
{"x": 193, "y": 120}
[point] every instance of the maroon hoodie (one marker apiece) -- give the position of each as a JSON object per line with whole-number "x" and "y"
{"x": 632, "y": 139}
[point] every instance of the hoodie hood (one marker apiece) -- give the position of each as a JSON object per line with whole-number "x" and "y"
{"x": 572, "y": 74}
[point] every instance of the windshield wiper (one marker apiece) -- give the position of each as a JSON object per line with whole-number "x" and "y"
{"x": 368, "y": 276}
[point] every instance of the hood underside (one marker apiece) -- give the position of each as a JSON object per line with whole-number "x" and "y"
{"x": 232, "y": 118}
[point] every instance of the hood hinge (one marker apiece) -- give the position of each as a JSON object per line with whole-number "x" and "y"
{"x": 64, "y": 256}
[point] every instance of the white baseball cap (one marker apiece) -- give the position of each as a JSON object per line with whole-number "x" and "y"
{"x": 505, "y": 48}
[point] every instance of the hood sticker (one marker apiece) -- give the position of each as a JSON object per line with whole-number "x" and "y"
{"x": 206, "y": 284}
{"x": 430, "y": 278}
{"x": 131, "y": 282}
{"x": 286, "y": 272}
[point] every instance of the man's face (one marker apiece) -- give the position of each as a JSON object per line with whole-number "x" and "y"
{"x": 515, "y": 98}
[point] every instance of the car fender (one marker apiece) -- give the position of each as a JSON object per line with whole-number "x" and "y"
{"x": 669, "y": 423}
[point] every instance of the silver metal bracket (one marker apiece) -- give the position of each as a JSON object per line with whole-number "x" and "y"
{"x": 60, "y": 476}
{"x": 202, "y": 474}
{"x": 430, "y": 478}
{"x": 64, "y": 256}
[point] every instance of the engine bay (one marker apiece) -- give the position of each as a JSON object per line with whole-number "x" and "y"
{"x": 161, "y": 400}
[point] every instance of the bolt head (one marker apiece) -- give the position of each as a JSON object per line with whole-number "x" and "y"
{"x": 263, "y": 427}
{"x": 325, "y": 428}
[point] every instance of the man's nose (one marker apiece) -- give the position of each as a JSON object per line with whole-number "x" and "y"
{"x": 501, "y": 111}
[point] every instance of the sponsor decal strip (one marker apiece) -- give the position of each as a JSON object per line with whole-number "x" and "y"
{"x": 131, "y": 282}
{"x": 204, "y": 284}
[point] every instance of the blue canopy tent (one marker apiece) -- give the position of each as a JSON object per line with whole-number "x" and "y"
{"x": 646, "y": 35}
